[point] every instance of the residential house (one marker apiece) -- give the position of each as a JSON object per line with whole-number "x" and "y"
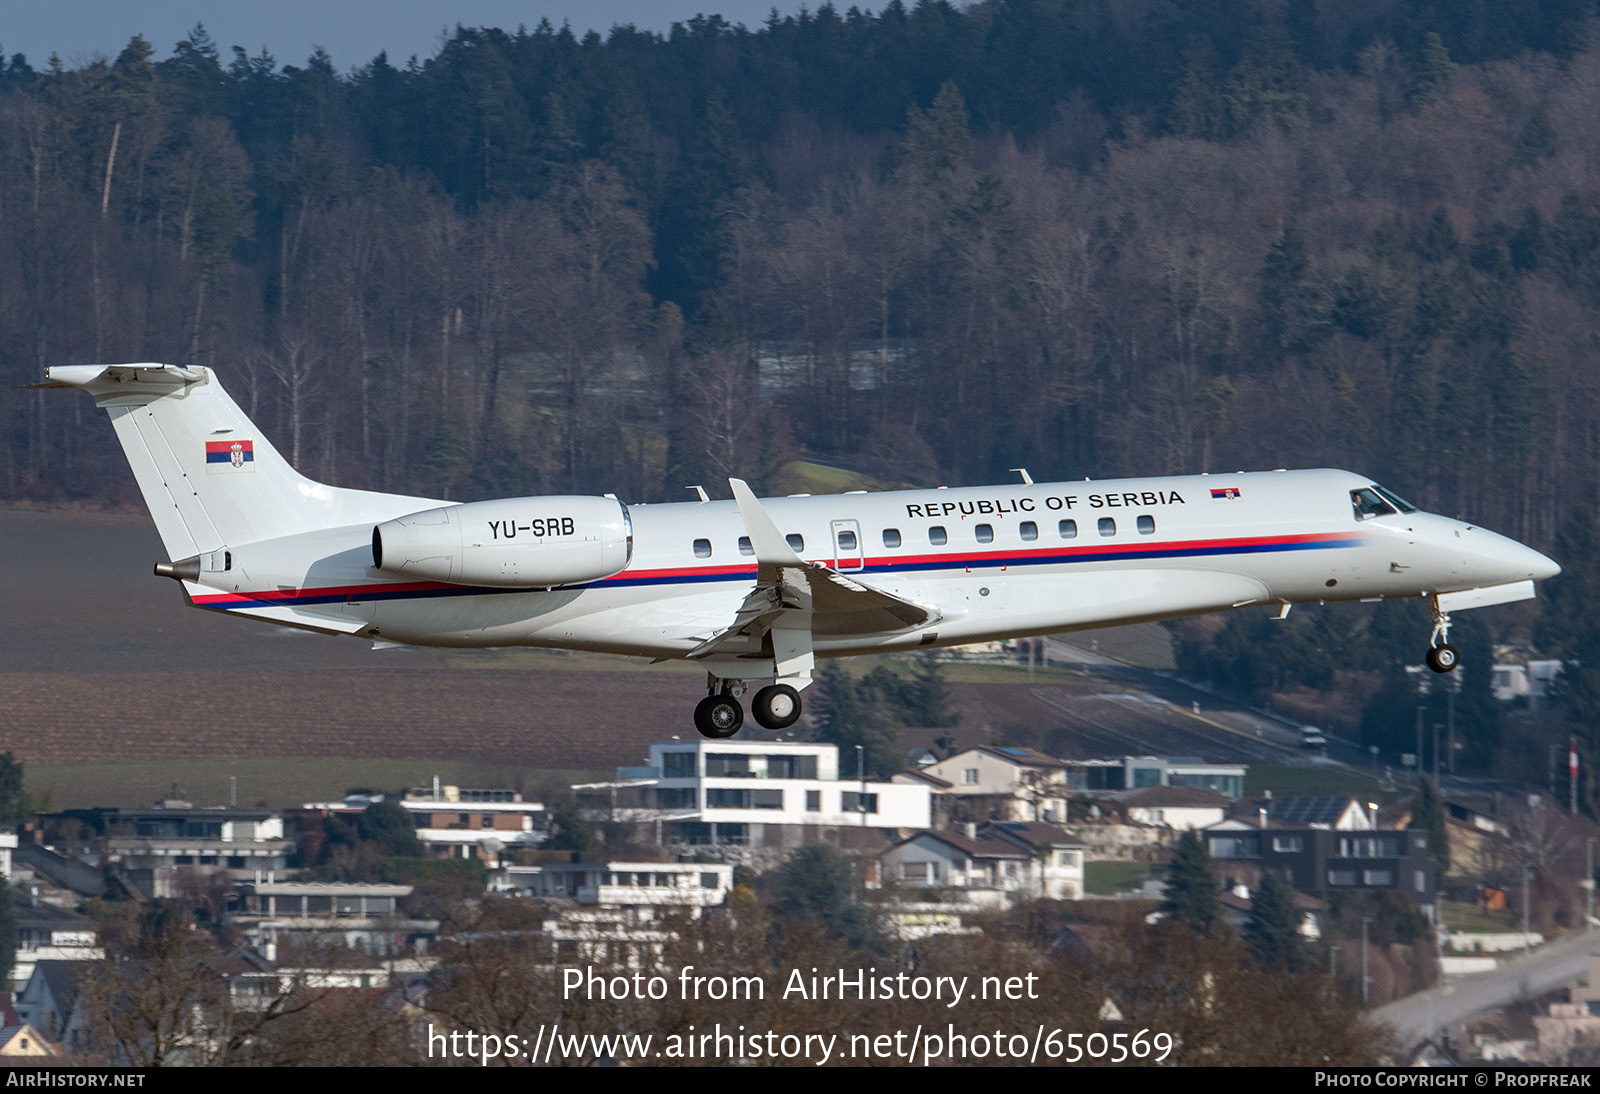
{"x": 48, "y": 933}
{"x": 50, "y": 1002}
{"x": 24, "y": 1041}
{"x": 452, "y": 822}
{"x": 1139, "y": 772}
{"x": 995, "y": 782}
{"x": 1238, "y": 901}
{"x": 1573, "y": 1026}
{"x": 988, "y": 871}
{"x": 360, "y": 915}
{"x": 1325, "y": 861}
{"x": 1176, "y": 807}
{"x": 149, "y": 845}
{"x": 644, "y": 886}
{"x": 1058, "y": 857}
{"x": 750, "y": 794}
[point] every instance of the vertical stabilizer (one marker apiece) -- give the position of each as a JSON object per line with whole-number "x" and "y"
{"x": 209, "y": 476}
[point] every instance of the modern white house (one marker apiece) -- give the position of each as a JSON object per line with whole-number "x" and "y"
{"x": 616, "y": 884}
{"x": 751, "y": 793}
{"x": 990, "y": 868}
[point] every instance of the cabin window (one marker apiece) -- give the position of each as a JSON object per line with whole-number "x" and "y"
{"x": 1108, "y": 527}
{"x": 744, "y": 546}
{"x": 1029, "y": 530}
{"x": 1147, "y": 526}
{"x": 937, "y": 537}
{"x": 847, "y": 541}
{"x": 796, "y": 542}
{"x": 891, "y": 537}
{"x": 1068, "y": 529}
{"x": 702, "y": 548}
{"x": 985, "y": 533}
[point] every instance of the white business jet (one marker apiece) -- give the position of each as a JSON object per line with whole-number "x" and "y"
{"x": 756, "y": 589}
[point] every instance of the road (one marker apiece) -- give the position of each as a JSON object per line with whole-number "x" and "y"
{"x": 1415, "y": 1017}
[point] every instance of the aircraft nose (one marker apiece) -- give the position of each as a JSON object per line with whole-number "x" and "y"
{"x": 1522, "y": 562}
{"x": 1541, "y": 566}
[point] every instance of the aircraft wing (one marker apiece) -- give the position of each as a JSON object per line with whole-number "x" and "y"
{"x": 794, "y": 599}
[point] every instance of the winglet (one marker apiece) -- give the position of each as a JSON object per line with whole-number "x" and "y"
{"x": 771, "y": 547}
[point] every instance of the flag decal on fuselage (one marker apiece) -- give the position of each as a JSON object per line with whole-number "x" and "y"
{"x": 1227, "y": 493}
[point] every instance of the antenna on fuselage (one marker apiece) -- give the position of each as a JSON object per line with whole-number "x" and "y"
{"x": 1027, "y": 479}
{"x": 700, "y": 490}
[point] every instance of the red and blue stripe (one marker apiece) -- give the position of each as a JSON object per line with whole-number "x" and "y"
{"x": 885, "y": 564}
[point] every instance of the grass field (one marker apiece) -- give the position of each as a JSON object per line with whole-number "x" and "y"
{"x": 1305, "y": 780}
{"x": 1475, "y": 919}
{"x": 1111, "y": 878}
{"x": 280, "y": 781}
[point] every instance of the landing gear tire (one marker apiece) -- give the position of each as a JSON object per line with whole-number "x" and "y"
{"x": 718, "y": 716}
{"x": 776, "y": 706}
{"x": 1443, "y": 658}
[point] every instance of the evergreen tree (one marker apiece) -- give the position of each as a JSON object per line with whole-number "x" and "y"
{"x": 1192, "y": 886}
{"x": 1427, "y": 815}
{"x": 389, "y": 824}
{"x": 818, "y": 885}
{"x": 9, "y": 936}
{"x": 1272, "y": 931}
{"x": 568, "y": 830}
{"x": 13, "y": 802}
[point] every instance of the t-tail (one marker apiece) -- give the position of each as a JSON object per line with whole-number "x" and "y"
{"x": 209, "y": 476}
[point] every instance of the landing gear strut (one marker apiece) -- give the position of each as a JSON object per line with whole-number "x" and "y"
{"x": 1442, "y": 656}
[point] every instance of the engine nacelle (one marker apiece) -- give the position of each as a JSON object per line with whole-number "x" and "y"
{"x": 517, "y": 542}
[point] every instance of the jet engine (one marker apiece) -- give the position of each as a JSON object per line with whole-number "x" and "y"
{"x": 516, "y": 543}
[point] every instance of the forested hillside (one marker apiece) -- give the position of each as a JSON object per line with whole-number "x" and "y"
{"x": 1091, "y": 237}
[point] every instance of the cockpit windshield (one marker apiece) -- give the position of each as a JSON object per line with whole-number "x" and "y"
{"x": 1375, "y": 501}
{"x": 1368, "y": 504}
{"x": 1394, "y": 499}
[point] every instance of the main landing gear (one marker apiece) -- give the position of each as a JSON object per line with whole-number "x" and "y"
{"x": 1442, "y": 656}
{"x": 719, "y": 715}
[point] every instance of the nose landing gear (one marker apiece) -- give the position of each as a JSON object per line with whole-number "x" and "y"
{"x": 1442, "y": 656}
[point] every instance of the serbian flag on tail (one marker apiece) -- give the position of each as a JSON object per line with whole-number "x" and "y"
{"x": 1227, "y": 493}
{"x": 228, "y": 457}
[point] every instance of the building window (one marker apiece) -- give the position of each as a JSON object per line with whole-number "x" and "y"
{"x": 1068, "y": 529}
{"x": 969, "y": 776}
{"x": 1377, "y": 877}
{"x": 1028, "y": 530}
{"x": 791, "y": 767}
{"x": 727, "y": 764}
{"x": 486, "y": 820}
{"x": 702, "y": 548}
{"x": 1288, "y": 845}
{"x": 891, "y": 537}
{"x": 766, "y": 799}
{"x": 1147, "y": 776}
{"x": 745, "y": 547}
{"x": 813, "y": 801}
{"x": 677, "y": 765}
{"x": 985, "y": 533}
{"x": 1236, "y": 846}
{"x": 679, "y": 797}
{"x": 717, "y": 798}
{"x": 914, "y": 871}
{"x": 1147, "y": 526}
{"x": 796, "y": 542}
{"x": 1341, "y": 877}
{"x": 847, "y": 541}
{"x": 1420, "y": 880}
{"x": 1108, "y": 527}
{"x": 708, "y": 881}
{"x": 853, "y": 800}
{"x": 937, "y": 536}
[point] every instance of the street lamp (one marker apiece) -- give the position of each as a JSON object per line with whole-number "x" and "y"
{"x": 1588, "y": 886}
{"x": 861, "y": 770}
{"x": 1366, "y": 980}
{"x": 1333, "y": 962}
